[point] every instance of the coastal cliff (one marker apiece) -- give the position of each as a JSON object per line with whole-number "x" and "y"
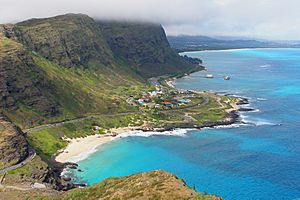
{"x": 68, "y": 40}
{"x": 72, "y": 76}
{"x": 76, "y": 65}
{"x": 145, "y": 46}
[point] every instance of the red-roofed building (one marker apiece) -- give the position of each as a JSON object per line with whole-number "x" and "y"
{"x": 168, "y": 104}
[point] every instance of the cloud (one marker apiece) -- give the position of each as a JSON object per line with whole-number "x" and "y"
{"x": 270, "y": 19}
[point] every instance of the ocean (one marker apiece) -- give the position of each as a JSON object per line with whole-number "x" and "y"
{"x": 257, "y": 159}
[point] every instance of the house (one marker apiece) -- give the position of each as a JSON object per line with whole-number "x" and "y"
{"x": 141, "y": 101}
{"x": 184, "y": 100}
{"x": 168, "y": 104}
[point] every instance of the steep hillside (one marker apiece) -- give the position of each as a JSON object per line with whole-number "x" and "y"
{"x": 68, "y": 40}
{"x": 144, "y": 46}
{"x": 68, "y": 66}
{"x": 23, "y": 85}
{"x": 13, "y": 145}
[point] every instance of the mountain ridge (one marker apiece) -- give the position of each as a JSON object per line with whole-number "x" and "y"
{"x": 85, "y": 50}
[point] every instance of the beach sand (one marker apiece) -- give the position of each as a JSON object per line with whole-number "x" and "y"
{"x": 80, "y": 148}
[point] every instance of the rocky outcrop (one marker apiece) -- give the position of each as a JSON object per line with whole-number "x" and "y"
{"x": 13, "y": 145}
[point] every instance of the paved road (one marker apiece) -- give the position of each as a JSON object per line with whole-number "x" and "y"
{"x": 152, "y": 81}
{"x": 42, "y": 127}
{"x": 21, "y": 164}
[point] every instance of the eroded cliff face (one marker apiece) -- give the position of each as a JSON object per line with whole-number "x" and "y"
{"x": 75, "y": 40}
{"x": 13, "y": 145}
{"x": 22, "y": 84}
{"x": 68, "y": 40}
{"x": 145, "y": 46}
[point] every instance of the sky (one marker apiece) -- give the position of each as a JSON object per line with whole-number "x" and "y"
{"x": 266, "y": 19}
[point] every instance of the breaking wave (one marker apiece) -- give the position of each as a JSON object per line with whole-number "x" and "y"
{"x": 256, "y": 121}
{"x": 140, "y": 133}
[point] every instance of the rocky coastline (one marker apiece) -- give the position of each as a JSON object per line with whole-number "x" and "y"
{"x": 65, "y": 183}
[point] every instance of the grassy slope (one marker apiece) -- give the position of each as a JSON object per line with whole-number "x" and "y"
{"x": 91, "y": 66}
{"x": 147, "y": 185}
{"x": 48, "y": 141}
{"x": 80, "y": 92}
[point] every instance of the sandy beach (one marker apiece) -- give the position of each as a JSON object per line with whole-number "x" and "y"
{"x": 80, "y": 148}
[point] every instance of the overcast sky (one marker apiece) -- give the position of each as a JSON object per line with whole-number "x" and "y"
{"x": 269, "y": 19}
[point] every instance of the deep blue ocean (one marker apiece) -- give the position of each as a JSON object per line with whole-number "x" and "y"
{"x": 259, "y": 160}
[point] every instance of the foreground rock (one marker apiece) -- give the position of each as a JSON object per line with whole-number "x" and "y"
{"x": 156, "y": 184}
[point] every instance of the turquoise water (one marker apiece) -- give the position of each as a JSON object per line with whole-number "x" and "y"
{"x": 259, "y": 160}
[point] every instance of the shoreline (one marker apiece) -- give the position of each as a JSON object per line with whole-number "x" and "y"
{"x": 80, "y": 148}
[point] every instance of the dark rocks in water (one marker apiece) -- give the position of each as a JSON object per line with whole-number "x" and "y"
{"x": 71, "y": 165}
{"x": 243, "y": 101}
{"x": 80, "y": 185}
{"x": 246, "y": 109}
{"x": 66, "y": 178}
{"x": 79, "y": 170}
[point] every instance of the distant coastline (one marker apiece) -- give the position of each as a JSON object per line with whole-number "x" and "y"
{"x": 236, "y": 49}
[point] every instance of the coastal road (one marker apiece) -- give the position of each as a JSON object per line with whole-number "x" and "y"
{"x": 42, "y": 127}
{"x": 21, "y": 164}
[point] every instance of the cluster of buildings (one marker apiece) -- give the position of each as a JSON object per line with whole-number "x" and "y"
{"x": 160, "y": 99}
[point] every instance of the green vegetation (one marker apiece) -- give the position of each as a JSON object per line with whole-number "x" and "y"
{"x": 82, "y": 91}
{"x": 71, "y": 66}
{"x": 147, "y": 185}
{"x": 64, "y": 74}
{"x": 48, "y": 141}
{"x": 203, "y": 108}
{"x": 36, "y": 170}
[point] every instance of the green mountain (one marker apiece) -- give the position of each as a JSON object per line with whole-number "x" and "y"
{"x": 71, "y": 65}
{"x": 144, "y": 46}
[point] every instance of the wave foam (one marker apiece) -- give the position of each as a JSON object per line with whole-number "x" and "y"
{"x": 256, "y": 121}
{"x": 265, "y": 66}
{"x": 83, "y": 155}
{"x": 261, "y": 99}
{"x": 140, "y": 133}
{"x": 235, "y": 125}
